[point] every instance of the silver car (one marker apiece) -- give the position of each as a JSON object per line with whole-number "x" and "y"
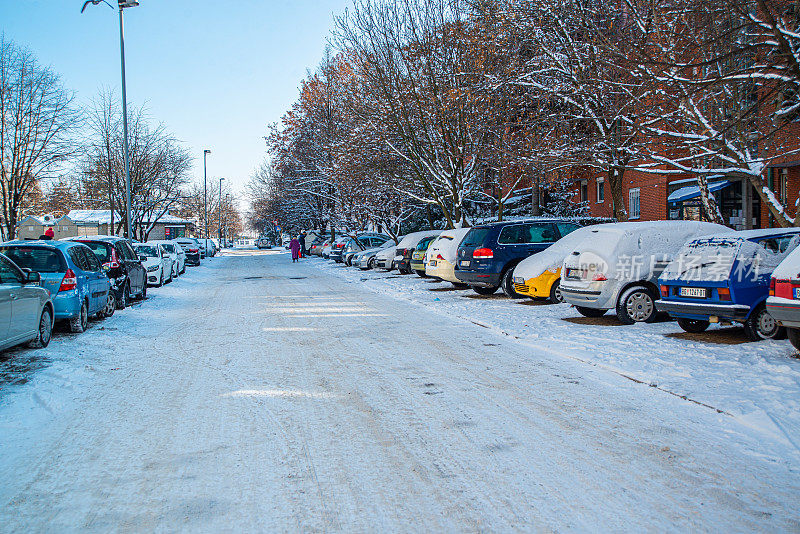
{"x": 26, "y": 310}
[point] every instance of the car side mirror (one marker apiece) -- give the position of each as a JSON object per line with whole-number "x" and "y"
{"x": 32, "y": 277}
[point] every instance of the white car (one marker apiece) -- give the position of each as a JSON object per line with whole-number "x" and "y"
{"x": 618, "y": 266}
{"x": 156, "y": 262}
{"x": 176, "y": 253}
{"x": 442, "y": 256}
{"x": 405, "y": 248}
{"x": 385, "y": 258}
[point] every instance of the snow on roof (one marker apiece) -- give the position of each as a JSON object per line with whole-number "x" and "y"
{"x": 104, "y": 217}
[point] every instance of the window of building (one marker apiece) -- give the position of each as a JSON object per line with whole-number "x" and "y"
{"x": 634, "y": 207}
{"x": 584, "y": 191}
{"x": 601, "y": 193}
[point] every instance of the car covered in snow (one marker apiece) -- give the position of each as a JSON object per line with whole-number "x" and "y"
{"x": 156, "y": 262}
{"x": 618, "y": 267}
{"x": 366, "y": 258}
{"x": 783, "y": 303}
{"x": 419, "y": 257}
{"x": 489, "y": 253}
{"x": 72, "y": 274}
{"x": 539, "y": 276}
{"x": 726, "y": 277}
{"x": 405, "y": 249}
{"x": 384, "y": 259}
{"x": 361, "y": 242}
{"x": 442, "y": 256}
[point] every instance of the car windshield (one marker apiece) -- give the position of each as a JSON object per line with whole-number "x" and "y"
{"x": 41, "y": 260}
{"x": 475, "y": 237}
{"x": 148, "y": 251}
{"x": 100, "y": 250}
{"x": 169, "y": 248}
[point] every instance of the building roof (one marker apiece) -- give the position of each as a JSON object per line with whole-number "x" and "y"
{"x": 85, "y": 217}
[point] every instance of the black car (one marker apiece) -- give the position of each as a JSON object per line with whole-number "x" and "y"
{"x": 488, "y": 253}
{"x": 192, "y": 248}
{"x": 126, "y": 273}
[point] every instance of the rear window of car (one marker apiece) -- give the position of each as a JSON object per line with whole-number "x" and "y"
{"x": 100, "y": 250}
{"x": 567, "y": 228}
{"x": 475, "y": 237}
{"x": 41, "y": 260}
{"x": 520, "y": 234}
{"x": 423, "y": 245}
{"x": 148, "y": 251}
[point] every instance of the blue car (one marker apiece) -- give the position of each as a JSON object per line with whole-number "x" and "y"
{"x": 489, "y": 252}
{"x": 72, "y": 274}
{"x": 725, "y": 278}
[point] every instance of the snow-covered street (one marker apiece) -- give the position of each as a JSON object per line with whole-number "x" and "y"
{"x": 254, "y": 394}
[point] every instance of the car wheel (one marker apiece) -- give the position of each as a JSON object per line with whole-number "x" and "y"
{"x": 761, "y": 325}
{"x": 590, "y": 312}
{"x": 184, "y": 269}
{"x": 484, "y": 290}
{"x": 111, "y": 305}
{"x": 459, "y": 285}
{"x": 636, "y": 305}
{"x": 81, "y": 322}
{"x": 693, "y": 326}
{"x": 143, "y": 294}
{"x": 42, "y": 339}
{"x": 508, "y": 284}
{"x": 124, "y": 298}
{"x": 421, "y": 274}
{"x": 371, "y": 264}
{"x": 555, "y": 293}
{"x": 794, "y": 337}
{"x": 160, "y": 279}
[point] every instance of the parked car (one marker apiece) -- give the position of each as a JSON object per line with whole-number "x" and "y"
{"x": 337, "y": 247}
{"x": 366, "y": 258}
{"x": 488, "y": 253}
{"x": 72, "y": 274}
{"x": 405, "y": 248}
{"x": 315, "y": 249}
{"x": 176, "y": 254}
{"x": 263, "y": 242}
{"x": 128, "y": 277}
{"x": 384, "y": 259}
{"x": 783, "y": 302}
{"x": 192, "y": 249}
{"x": 26, "y": 309}
{"x": 618, "y": 267}
{"x": 207, "y": 248}
{"x": 326, "y": 248}
{"x": 360, "y": 243}
{"x": 419, "y": 255}
{"x": 442, "y": 255}
{"x": 539, "y": 276}
{"x": 156, "y": 261}
{"x": 726, "y": 277}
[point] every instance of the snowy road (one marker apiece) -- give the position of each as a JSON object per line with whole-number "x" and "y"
{"x": 258, "y": 395}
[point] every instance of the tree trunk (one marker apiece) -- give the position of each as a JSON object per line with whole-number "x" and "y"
{"x": 536, "y": 195}
{"x": 710, "y": 207}
{"x": 615, "y": 175}
{"x": 772, "y": 202}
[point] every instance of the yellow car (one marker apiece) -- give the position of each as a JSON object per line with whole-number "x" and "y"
{"x": 442, "y": 256}
{"x": 539, "y": 276}
{"x": 418, "y": 257}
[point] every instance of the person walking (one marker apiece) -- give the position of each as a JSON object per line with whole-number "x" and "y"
{"x": 294, "y": 245}
{"x": 302, "y": 240}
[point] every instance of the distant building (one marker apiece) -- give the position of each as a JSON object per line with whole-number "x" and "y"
{"x": 98, "y": 222}
{"x": 32, "y": 226}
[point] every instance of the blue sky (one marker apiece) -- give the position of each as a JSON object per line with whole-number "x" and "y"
{"x": 215, "y": 72}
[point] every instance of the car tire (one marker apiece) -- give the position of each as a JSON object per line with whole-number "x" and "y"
{"x": 761, "y": 325}
{"x": 555, "y": 293}
{"x": 371, "y": 264}
{"x": 79, "y": 324}
{"x": 693, "y": 326}
{"x": 184, "y": 269}
{"x": 42, "y": 339}
{"x": 160, "y": 279}
{"x": 111, "y": 305}
{"x": 794, "y": 337}
{"x": 421, "y": 274}
{"x": 508, "y": 284}
{"x": 125, "y": 297}
{"x": 485, "y": 290}
{"x": 459, "y": 285}
{"x": 590, "y": 312}
{"x": 637, "y": 304}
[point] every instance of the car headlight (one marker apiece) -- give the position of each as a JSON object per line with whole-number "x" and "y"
{"x": 152, "y": 269}
{"x": 519, "y": 280}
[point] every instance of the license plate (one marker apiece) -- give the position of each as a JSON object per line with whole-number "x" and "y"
{"x": 699, "y": 292}
{"x": 417, "y": 255}
{"x": 464, "y": 263}
{"x": 797, "y": 293}
{"x": 432, "y": 263}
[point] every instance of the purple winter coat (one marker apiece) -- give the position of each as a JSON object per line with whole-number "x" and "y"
{"x": 294, "y": 244}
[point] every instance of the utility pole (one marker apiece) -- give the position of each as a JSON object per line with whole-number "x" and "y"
{"x": 219, "y": 213}
{"x": 205, "y": 194}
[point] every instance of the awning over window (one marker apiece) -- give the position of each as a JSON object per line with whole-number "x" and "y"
{"x": 692, "y": 191}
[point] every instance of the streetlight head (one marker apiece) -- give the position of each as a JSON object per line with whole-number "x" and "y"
{"x": 206, "y": 152}
{"x": 127, "y": 3}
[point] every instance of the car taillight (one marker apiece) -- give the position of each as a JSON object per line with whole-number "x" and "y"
{"x": 599, "y": 277}
{"x": 483, "y": 253}
{"x": 725, "y": 293}
{"x": 664, "y": 291}
{"x": 340, "y": 245}
{"x": 439, "y": 257}
{"x": 771, "y": 287}
{"x": 193, "y": 250}
{"x": 114, "y": 262}
{"x": 69, "y": 282}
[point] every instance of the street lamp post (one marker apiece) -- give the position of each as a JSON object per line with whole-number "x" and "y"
{"x": 219, "y": 214}
{"x": 122, "y": 5}
{"x": 227, "y": 202}
{"x": 205, "y": 195}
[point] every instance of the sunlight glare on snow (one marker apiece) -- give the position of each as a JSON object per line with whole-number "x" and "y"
{"x": 282, "y": 393}
{"x": 289, "y": 329}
